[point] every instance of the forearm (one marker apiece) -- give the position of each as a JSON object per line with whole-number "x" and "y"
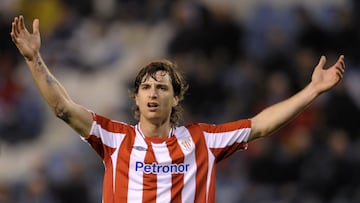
{"x": 274, "y": 117}
{"x": 51, "y": 90}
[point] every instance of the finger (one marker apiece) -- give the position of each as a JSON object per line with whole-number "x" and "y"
{"x": 340, "y": 64}
{"x": 36, "y": 26}
{"x": 13, "y": 37}
{"x": 22, "y": 25}
{"x": 13, "y": 30}
{"x": 342, "y": 61}
{"x": 340, "y": 74}
{"x": 22, "y": 22}
{"x": 341, "y": 57}
{"x": 322, "y": 62}
{"x": 342, "y": 67}
{"x": 16, "y": 25}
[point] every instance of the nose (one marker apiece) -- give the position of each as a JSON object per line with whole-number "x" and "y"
{"x": 153, "y": 93}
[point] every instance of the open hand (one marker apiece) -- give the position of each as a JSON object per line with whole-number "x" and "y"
{"x": 27, "y": 43}
{"x": 325, "y": 79}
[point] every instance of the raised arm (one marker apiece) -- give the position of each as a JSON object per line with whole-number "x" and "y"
{"x": 53, "y": 92}
{"x": 277, "y": 115}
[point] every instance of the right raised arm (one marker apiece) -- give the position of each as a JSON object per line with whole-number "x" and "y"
{"x": 53, "y": 92}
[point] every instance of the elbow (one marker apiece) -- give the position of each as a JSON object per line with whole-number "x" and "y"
{"x": 259, "y": 130}
{"x": 257, "y": 134}
{"x": 61, "y": 111}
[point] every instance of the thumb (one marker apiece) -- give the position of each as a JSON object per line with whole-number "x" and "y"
{"x": 321, "y": 63}
{"x": 36, "y": 26}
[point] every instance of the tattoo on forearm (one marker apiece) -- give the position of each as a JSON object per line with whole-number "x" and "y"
{"x": 50, "y": 79}
{"x": 40, "y": 65}
{"x": 62, "y": 114}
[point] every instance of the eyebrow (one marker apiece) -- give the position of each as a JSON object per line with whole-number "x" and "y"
{"x": 162, "y": 80}
{"x": 156, "y": 84}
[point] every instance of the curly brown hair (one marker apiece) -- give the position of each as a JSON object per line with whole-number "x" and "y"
{"x": 178, "y": 82}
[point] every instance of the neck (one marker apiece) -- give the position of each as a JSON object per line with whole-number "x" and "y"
{"x": 155, "y": 130}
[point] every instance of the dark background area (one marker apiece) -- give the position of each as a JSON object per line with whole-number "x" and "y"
{"x": 238, "y": 57}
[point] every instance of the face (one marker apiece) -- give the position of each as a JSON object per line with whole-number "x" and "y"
{"x": 155, "y": 98}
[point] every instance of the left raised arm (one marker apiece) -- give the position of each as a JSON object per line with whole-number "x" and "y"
{"x": 274, "y": 117}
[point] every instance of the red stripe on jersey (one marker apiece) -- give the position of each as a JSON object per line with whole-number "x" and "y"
{"x": 202, "y": 164}
{"x": 211, "y": 195}
{"x": 122, "y": 167}
{"x": 108, "y": 195}
{"x": 96, "y": 144}
{"x": 110, "y": 125}
{"x": 177, "y": 180}
{"x": 223, "y": 153}
{"x": 149, "y": 179}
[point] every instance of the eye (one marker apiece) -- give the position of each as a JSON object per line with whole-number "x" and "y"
{"x": 163, "y": 87}
{"x": 145, "y": 87}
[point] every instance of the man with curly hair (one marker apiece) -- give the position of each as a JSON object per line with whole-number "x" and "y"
{"x": 158, "y": 160}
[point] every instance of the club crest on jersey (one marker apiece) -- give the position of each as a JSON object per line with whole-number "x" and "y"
{"x": 140, "y": 148}
{"x": 186, "y": 143}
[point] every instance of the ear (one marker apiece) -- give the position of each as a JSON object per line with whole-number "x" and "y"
{"x": 175, "y": 101}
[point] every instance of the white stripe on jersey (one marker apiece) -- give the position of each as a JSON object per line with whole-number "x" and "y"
{"x": 188, "y": 194}
{"x": 211, "y": 163}
{"x": 108, "y": 138}
{"x": 114, "y": 158}
{"x": 224, "y": 139}
{"x": 136, "y": 184}
{"x": 162, "y": 156}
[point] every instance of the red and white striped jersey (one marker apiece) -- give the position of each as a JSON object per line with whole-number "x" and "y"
{"x": 180, "y": 168}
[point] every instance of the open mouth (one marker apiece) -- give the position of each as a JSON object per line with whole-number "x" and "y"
{"x": 152, "y": 105}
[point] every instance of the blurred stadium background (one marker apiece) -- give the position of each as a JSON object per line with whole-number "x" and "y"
{"x": 239, "y": 56}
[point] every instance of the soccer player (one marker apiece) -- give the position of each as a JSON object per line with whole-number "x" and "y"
{"x": 157, "y": 160}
